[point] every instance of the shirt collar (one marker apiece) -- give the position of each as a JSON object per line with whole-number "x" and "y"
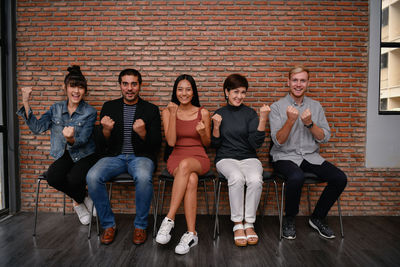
{"x": 78, "y": 110}
{"x": 293, "y": 103}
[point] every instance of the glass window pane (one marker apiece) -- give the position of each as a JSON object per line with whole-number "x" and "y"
{"x": 390, "y": 56}
{"x": 390, "y": 79}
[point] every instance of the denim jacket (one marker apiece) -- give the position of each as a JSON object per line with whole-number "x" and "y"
{"x": 56, "y": 118}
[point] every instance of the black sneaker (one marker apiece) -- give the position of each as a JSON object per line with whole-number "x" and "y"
{"x": 289, "y": 228}
{"x": 322, "y": 228}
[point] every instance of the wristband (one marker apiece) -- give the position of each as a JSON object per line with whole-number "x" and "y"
{"x": 309, "y": 126}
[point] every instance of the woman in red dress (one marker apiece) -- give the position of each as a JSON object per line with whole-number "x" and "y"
{"x": 187, "y": 130}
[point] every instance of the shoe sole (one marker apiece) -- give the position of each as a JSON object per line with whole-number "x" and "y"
{"x": 321, "y": 234}
{"x": 289, "y": 237}
{"x": 185, "y": 252}
{"x": 162, "y": 243}
{"x": 108, "y": 243}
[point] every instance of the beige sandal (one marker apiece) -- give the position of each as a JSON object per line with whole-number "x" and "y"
{"x": 254, "y": 237}
{"x": 240, "y": 241}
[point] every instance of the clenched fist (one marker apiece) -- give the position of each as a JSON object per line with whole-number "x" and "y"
{"x": 306, "y": 117}
{"x": 292, "y": 113}
{"x": 68, "y": 132}
{"x": 107, "y": 123}
{"x": 264, "y": 111}
{"x": 200, "y": 128}
{"x": 139, "y": 127}
{"x": 26, "y": 93}
{"x": 172, "y": 107}
{"x": 217, "y": 119}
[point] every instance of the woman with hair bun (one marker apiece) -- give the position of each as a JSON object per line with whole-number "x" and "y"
{"x": 71, "y": 123}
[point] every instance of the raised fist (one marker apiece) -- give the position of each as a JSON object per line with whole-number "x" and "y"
{"x": 306, "y": 117}
{"x": 292, "y": 113}
{"x": 139, "y": 127}
{"x": 68, "y": 132}
{"x": 26, "y": 93}
{"x": 200, "y": 127}
{"x": 107, "y": 123}
{"x": 264, "y": 111}
{"x": 217, "y": 119}
{"x": 172, "y": 107}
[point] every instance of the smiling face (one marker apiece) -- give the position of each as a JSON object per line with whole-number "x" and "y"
{"x": 130, "y": 88}
{"x": 184, "y": 92}
{"x": 298, "y": 84}
{"x": 75, "y": 94}
{"x": 236, "y": 96}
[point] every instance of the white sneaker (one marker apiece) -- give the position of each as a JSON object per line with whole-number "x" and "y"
{"x": 188, "y": 240}
{"x": 89, "y": 205}
{"x": 83, "y": 214}
{"x": 163, "y": 236}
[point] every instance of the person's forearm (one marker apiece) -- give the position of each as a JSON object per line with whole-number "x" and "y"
{"x": 317, "y": 132}
{"x": 27, "y": 108}
{"x": 283, "y": 134}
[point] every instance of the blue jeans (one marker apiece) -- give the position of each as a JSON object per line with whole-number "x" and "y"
{"x": 140, "y": 168}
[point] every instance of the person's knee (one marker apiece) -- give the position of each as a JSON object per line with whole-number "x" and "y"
{"x": 295, "y": 179}
{"x": 184, "y": 166}
{"x": 91, "y": 176}
{"x": 192, "y": 182}
{"x": 53, "y": 180}
{"x": 341, "y": 179}
{"x": 236, "y": 179}
{"x": 254, "y": 181}
{"x": 143, "y": 174}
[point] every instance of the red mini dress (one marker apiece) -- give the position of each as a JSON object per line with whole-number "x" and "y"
{"x": 188, "y": 145}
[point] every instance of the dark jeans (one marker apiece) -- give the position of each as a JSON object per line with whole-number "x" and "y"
{"x": 336, "y": 179}
{"x": 70, "y": 177}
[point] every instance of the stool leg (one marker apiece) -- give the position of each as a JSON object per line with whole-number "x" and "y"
{"x": 277, "y": 197}
{"x": 36, "y": 205}
{"x": 97, "y": 224}
{"x": 216, "y": 224}
{"x": 281, "y": 213}
{"x": 90, "y": 223}
{"x": 162, "y": 198}
{"x": 205, "y": 196}
{"x": 308, "y": 199}
{"x": 340, "y": 217}
{"x": 64, "y": 206}
{"x": 156, "y": 211}
{"x": 265, "y": 201}
{"x": 215, "y": 196}
{"x": 153, "y": 204}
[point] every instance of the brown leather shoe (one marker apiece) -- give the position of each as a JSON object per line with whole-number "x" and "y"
{"x": 139, "y": 236}
{"x": 107, "y": 237}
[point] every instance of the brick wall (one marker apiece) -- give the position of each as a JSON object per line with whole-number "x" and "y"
{"x": 209, "y": 40}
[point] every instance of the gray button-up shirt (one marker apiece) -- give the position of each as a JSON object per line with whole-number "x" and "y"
{"x": 300, "y": 144}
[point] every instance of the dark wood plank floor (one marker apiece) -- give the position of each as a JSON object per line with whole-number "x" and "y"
{"x": 62, "y": 241}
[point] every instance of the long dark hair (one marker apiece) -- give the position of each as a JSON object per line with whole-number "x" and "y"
{"x": 195, "y": 100}
{"x": 75, "y": 78}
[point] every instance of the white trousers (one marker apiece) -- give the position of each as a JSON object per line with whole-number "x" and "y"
{"x": 241, "y": 173}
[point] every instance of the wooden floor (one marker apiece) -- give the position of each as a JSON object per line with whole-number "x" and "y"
{"x": 62, "y": 241}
